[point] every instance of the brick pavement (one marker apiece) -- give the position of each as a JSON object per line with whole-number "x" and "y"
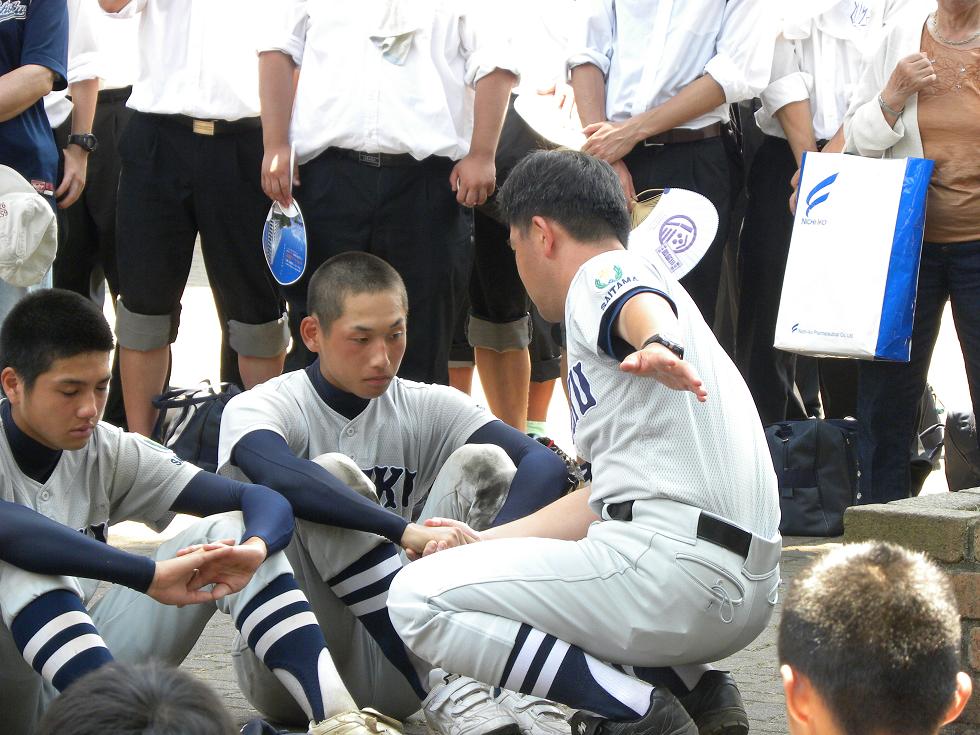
{"x": 754, "y": 668}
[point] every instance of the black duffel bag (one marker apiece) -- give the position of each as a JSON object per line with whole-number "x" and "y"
{"x": 190, "y": 421}
{"x": 817, "y": 472}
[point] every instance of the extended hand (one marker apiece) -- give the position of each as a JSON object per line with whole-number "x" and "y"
{"x": 277, "y": 178}
{"x": 474, "y": 179}
{"x": 438, "y": 534}
{"x": 608, "y": 140}
{"x": 659, "y": 363}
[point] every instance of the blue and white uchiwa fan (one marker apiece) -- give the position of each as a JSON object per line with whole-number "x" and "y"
{"x": 284, "y": 239}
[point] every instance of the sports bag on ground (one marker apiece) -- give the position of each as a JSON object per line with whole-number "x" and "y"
{"x": 817, "y": 472}
{"x": 190, "y": 421}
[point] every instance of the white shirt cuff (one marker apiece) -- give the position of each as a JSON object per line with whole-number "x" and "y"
{"x": 588, "y": 56}
{"x": 791, "y": 88}
{"x": 869, "y": 133}
{"x": 731, "y": 77}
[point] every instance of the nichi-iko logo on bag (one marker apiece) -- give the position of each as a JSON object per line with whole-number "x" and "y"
{"x": 817, "y": 196}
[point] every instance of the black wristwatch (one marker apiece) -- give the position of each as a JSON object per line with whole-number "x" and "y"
{"x": 85, "y": 141}
{"x": 676, "y": 347}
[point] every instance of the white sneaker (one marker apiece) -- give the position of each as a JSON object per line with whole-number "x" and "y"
{"x": 459, "y": 705}
{"x": 365, "y": 722}
{"x": 533, "y": 715}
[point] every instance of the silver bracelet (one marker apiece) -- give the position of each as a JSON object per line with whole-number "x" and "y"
{"x": 884, "y": 106}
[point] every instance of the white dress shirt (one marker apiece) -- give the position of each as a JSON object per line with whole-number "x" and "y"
{"x": 648, "y": 50}
{"x": 387, "y": 76}
{"x": 82, "y": 55}
{"x": 821, "y": 54}
{"x": 540, "y": 31}
{"x": 197, "y": 57}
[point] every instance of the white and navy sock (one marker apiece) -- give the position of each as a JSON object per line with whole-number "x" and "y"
{"x": 544, "y": 666}
{"x": 56, "y": 636}
{"x": 363, "y": 587}
{"x": 280, "y": 627}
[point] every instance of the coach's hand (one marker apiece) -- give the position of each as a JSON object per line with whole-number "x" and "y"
{"x": 659, "y": 363}
{"x": 438, "y": 534}
{"x": 473, "y": 179}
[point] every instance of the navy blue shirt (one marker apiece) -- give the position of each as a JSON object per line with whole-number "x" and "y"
{"x": 33, "y": 32}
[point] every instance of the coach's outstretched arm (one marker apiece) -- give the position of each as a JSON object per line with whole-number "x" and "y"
{"x": 318, "y": 496}
{"x": 38, "y": 544}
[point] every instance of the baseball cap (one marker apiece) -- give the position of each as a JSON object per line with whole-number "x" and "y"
{"x": 28, "y": 231}
{"x": 284, "y": 243}
{"x": 678, "y": 232}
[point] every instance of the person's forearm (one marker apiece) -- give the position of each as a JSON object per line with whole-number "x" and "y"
{"x": 698, "y": 98}
{"x": 489, "y": 108}
{"x": 643, "y": 316}
{"x": 84, "y": 96}
{"x": 590, "y": 93}
{"x": 567, "y": 518}
{"x": 796, "y": 120}
{"x": 20, "y": 88}
{"x": 277, "y": 90}
{"x": 835, "y": 144}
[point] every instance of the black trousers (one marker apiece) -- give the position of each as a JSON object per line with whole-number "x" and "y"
{"x": 87, "y": 234}
{"x": 763, "y": 250}
{"x": 703, "y": 166}
{"x": 406, "y": 215}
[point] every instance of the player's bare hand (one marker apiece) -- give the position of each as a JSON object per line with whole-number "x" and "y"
{"x": 474, "y": 179}
{"x": 795, "y": 184}
{"x": 206, "y": 547}
{"x": 176, "y": 581}
{"x": 277, "y": 179}
{"x": 563, "y": 97}
{"x": 234, "y": 569}
{"x": 910, "y": 75}
{"x": 421, "y": 541}
{"x": 659, "y": 363}
{"x": 609, "y": 141}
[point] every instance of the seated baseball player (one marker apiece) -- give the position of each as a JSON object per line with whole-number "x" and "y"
{"x": 869, "y": 644}
{"x": 65, "y": 477}
{"x": 375, "y": 453}
{"x": 671, "y": 557}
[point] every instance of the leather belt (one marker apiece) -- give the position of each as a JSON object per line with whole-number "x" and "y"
{"x": 710, "y": 528}
{"x": 683, "y": 135}
{"x": 211, "y": 127}
{"x": 378, "y": 160}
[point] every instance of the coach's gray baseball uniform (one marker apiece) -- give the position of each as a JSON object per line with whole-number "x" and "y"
{"x": 646, "y": 589}
{"x": 407, "y": 450}
{"x": 116, "y": 477}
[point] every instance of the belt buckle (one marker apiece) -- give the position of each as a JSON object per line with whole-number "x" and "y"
{"x": 203, "y": 127}
{"x": 369, "y": 159}
{"x": 651, "y": 143}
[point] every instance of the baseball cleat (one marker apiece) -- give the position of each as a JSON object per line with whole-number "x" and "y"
{"x": 574, "y": 474}
{"x": 666, "y": 716}
{"x": 364, "y": 722}
{"x": 459, "y": 705}
{"x": 715, "y": 705}
{"x": 534, "y": 716}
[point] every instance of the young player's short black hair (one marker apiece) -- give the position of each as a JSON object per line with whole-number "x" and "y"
{"x": 578, "y": 191}
{"x": 350, "y": 274}
{"x": 124, "y": 699}
{"x": 49, "y": 325}
{"x": 875, "y": 629}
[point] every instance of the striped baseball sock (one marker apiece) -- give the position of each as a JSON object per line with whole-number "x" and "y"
{"x": 280, "y": 627}
{"x": 56, "y": 636}
{"x": 546, "y": 667}
{"x": 363, "y": 587}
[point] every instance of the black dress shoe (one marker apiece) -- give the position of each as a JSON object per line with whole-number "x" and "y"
{"x": 666, "y": 716}
{"x": 715, "y": 705}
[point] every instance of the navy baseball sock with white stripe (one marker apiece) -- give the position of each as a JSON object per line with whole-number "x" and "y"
{"x": 363, "y": 587}
{"x": 546, "y": 667}
{"x": 280, "y": 627}
{"x": 56, "y": 636}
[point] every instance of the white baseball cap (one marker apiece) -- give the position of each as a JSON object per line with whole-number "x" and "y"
{"x": 678, "y": 232}
{"x": 28, "y": 231}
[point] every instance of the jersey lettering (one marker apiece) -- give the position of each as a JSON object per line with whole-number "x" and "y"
{"x": 386, "y": 479}
{"x": 580, "y": 395}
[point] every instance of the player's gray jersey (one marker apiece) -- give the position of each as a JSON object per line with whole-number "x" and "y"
{"x": 646, "y": 440}
{"x": 400, "y": 441}
{"x": 115, "y": 477}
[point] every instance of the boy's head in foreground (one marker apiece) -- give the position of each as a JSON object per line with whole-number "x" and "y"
{"x": 869, "y": 643}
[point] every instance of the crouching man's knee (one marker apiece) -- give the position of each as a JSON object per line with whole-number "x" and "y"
{"x": 472, "y": 485}
{"x": 416, "y": 618}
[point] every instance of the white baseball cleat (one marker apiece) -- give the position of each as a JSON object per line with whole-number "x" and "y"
{"x": 365, "y": 722}
{"x": 535, "y": 716}
{"x": 459, "y": 705}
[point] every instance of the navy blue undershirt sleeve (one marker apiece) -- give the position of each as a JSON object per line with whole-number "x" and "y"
{"x": 541, "y": 475}
{"x": 617, "y": 347}
{"x": 267, "y": 514}
{"x": 314, "y": 493}
{"x": 36, "y": 543}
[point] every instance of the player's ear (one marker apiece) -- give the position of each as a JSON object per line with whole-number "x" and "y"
{"x": 13, "y": 386}
{"x": 543, "y": 234}
{"x": 309, "y": 330}
{"x": 799, "y": 700}
{"x": 964, "y": 688}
